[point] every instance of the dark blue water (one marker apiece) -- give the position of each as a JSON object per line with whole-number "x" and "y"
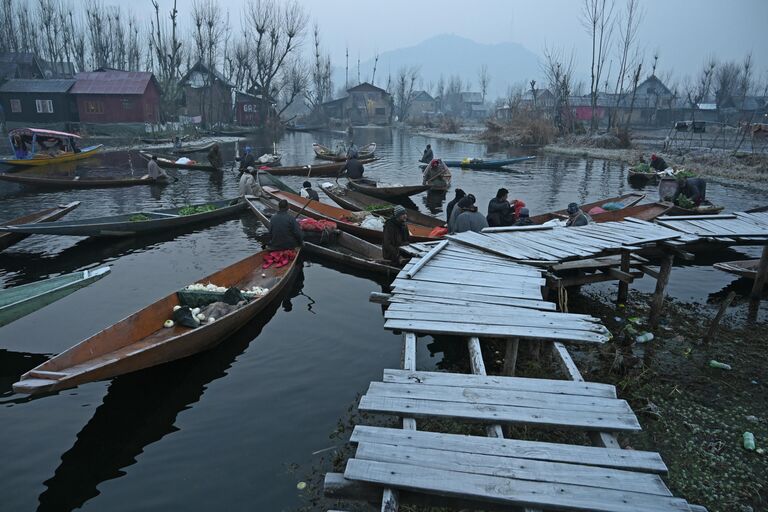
{"x": 221, "y": 430}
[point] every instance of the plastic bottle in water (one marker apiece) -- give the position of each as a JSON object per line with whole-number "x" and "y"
{"x": 718, "y": 364}
{"x": 749, "y": 441}
{"x": 646, "y": 336}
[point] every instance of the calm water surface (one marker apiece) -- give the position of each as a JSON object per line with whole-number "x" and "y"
{"x": 221, "y": 429}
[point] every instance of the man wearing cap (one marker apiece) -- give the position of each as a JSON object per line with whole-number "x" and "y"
{"x": 658, "y": 163}
{"x": 576, "y": 217}
{"x": 353, "y": 168}
{"x": 248, "y": 160}
{"x": 524, "y": 218}
{"x": 470, "y": 219}
{"x": 248, "y": 185}
{"x": 308, "y": 192}
{"x": 395, "y": 235}
{"x": 285, "y": 231}
{"x": 464, "y": 202}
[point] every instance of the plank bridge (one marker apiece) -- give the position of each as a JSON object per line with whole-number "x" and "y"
{"x": 495, "y": 284}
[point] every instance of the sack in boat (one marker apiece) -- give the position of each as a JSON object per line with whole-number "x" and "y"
{"x": 357, "y": 217}
{"x": 232, "y": 296}
{"x": 183, "y": 316}
{"x": 219, "y": 309}
{"x": 372, "y": 222}
{"x": 316, "y": 225}
{"x": 595, "y": 210}
{"x": 278, "y": 258}
{"x": 438, "y": 232}
{"x": 612, "y": 206}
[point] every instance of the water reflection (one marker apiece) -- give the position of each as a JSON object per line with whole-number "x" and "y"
{"x": 13, "y": 365}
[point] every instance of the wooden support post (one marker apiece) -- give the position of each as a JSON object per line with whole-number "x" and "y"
{"x": 379, "y": 298}
{"x": 623, "y": 285}
{"x": 658, "y": 295}
{"x": 762, "y": 275}
{"x": 478, "y": 368}
{"x": 510, "y": 357}
{"x": 716, "y": 322}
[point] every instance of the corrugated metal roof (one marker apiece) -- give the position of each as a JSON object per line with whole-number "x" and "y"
{"x": 33, "y": 85}
{"x": 111, "y": 82}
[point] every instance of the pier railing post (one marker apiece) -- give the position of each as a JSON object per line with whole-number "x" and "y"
{"x": 661, "y": 283}
{"x": 623, "y": 285}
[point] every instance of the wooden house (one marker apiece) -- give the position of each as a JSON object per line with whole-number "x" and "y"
{"x": 207, "y": 94}
{"x": 109, "y": 96}
{"x": 364, "y": 104}
{"x": 249, "y": 109}
{"x": 40, "y": 103}
{"x": 20, "y": 65}
{"x": 422, "y": 105}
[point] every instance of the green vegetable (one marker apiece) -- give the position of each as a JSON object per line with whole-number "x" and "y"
{"x": 375, "y": 207}
{"x": 685, "y": 202}
{"x": 139, "y": 217}
{"x": 644, "y": 168}
{"x": 192, "y": 210}
{"x": 684, "y": 173}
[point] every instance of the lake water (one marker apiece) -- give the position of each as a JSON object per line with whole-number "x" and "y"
{"x": 222, "y": 430}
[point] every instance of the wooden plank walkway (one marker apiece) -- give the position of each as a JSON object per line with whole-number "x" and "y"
{"x": 738, "y": 227}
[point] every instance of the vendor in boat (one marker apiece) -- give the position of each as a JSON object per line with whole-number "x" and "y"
{"x": 452, "y": 203}
{"x": 465, "y": 201}
{"x": 308, "y": 192}
{"x": 75, "y": 147}
{"x": 248, "y": 159}
{"x": 658, "y": 163}
{"x": 284, "y": 229}
{"x": 470, "y": 219}
{"x": 177, "y": 142}
{"x": 500, "y": 211}
{"x": 353, "y": 169}
{"x": 395, "y": 235}
{"x": 156, "y": 172}
{"x": 576, "y": 217}
{"x": 248, "y": 185}
{"x": 20, "y": 147}
{"x": 214, "y": 157}
{"x": 437, "y": 175}
{"x": 428, "y": 155}
{"x": 524, "y": 218}
{"x": 694, "y": 189}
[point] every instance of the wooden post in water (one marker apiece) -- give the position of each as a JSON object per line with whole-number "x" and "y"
{"x": 510, "y": 356}
{"x": 762, "y": 275}
{"x": 623, "y": 285}
{"x": 661, "y": 283}
{"x": 716, "y": 322}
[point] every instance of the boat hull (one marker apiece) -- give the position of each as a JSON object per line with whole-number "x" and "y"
{"x": 325, "y": 153}
{"x": 627, "y": 200}
{"x": 484, "y": 164}
{"x": 170, "y": 163}
{"x": 313, "y": 171}
{"x": 742, "y": 268}
{"x": 86, "y": 152}
{"x": 357, "y": 201}
{"x": 8, "y": 239}
{"x": 60, "y": 183}
{"x": 387, "y": 192}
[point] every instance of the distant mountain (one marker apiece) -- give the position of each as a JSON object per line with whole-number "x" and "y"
{"x": 448, "y": 55}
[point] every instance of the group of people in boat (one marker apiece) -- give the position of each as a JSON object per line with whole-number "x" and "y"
{"x": 46, "y": 146}
{"x": 463, "y": 214}
{"x": 694, "y": 188}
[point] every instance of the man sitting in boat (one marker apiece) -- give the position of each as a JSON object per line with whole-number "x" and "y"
{"x": 576, "y": 217}
{"x": 395, "y": 235}
{"x": 285, "y": 231}
{"x": 248, "y": 159}
{"x": 694, "y": 189}
{"x": 428, "y": 156}
{"x": 308, "y": 192}
{"x": 214, "y": 157}
{"x": 156, "y": 172}
{"x": 465, "y": 201}
{"x": 453, "y": 202}
{"x": 524, "y": 218}
{"x": 470, "y": 219}
{"x": 353, "y": 169}
{"x": 658, "y": 163}
{"x": 500, "y": 212}
{"x": 437, "y": 175}
{"x": 20, "y": 147}
{"x": 248, "y": 185}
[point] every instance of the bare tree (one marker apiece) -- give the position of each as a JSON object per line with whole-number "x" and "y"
{"x": 628, "y": 24}
{"x": 375, "y": 63}
{"x": 483, "y": 80}
{"x": 558, "y": 70}
{"x": 404, "y": 87}
{"x": 440, "y": 92}
{"x": 169, "y": 56}
{"x": 208, "y": 35}
{"x": 597, "y": 17}
{"x": 453, "y": 90}
{"x": 321, "y": 86}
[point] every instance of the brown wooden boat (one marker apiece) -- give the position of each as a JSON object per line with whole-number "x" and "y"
{"x": 743, "y": 268}
{"x": 169, "y": 162}
{"x": 194, "y": 148}
{"x": 140, "y": 340}
{"x": 627, "y": 200}
{"x": 369, "y": 187}
{"x": 357, "y": 201}
{"x": 47, "y": 215}
{"x": 313, "y": 171}
{"x": 325, "y": 153}
{"x": 344, "y": 248}
{"x": 344, "y": 219}
{"x": 77, "y": 181}
{"x": 705, "y": 208}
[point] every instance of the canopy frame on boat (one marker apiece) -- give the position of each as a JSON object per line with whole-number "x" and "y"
{"x": 31, "y": 134}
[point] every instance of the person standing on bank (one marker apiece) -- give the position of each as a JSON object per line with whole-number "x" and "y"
{"x": 395, "y": 235}
{"x": 284, "y": 229}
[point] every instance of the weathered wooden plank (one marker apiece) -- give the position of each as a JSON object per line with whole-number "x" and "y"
{"x": 490, "y": 310}
{"x": 458, "y": 290}
{"x": 566, "y": 387}
{"x": 533, "y": 322}
{"x": 630, "y": 460}
{"x": 469, "y": 278}
{"x": 510, "y": 270}
{"x": 502, "y": 331}
{"x": 504, "y": 229}
{"x": 425, "y": 259}
{"x": 514, "y": 492}
{"x": 472, "y": 300}
{"x": 515, "y": 468}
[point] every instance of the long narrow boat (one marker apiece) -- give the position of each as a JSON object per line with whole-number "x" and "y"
{"x": 77, "y": 181}
{"x": 357, "y": 201}
{"x": 169, "y": 162}
{"x": 344, "y": 248}
{"x": 39, "y": 160}
{"x": 166, "y": 140}
{"x": 705, "y": 208}
{"x": 326, "y": 153}
{"x": 479, "y": 163}
{"x": 136, "y": 223}
{"x": 370, "y": 188}
{"x": 626, "y": 201}
{"x": 26, "y": 141}
{"x": 48, "y": 215}
{"x": 140, "y": 340}
{"x": 266, "y": 179}
{"x": 198, "y": 148}
{"x": 304, "y": 127}
{"x": 743, "y": 268}
{"x": 313, "y": 171}
{"x": 20, "y": 301}
{"x": 344, "y": 219}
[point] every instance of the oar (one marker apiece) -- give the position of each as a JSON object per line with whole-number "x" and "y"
{"x": 302, "y": 208}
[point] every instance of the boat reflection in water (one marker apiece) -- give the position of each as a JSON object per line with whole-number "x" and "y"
{"x": 13, "y": 365}
{"x": 140, "y": 409}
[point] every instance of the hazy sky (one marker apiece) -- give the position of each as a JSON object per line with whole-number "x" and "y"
{"x": 685, "y": 32}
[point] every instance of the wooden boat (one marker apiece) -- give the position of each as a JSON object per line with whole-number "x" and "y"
{"x": 50, "y": 214}
{"x": 266, "y": 179}
{"x": 303, "y": 127}
{"x": 641, "y": 211}
{"x": 20, "y": 301}
{"x": 357, "y": 201}
{"x": 77, "y": 181}
{"x": 705, "y": 208}
{"x": 166, "y": 140}
{"x": 39, "y": 160}
{"x": 743, "y": 268}
{"x": 28, "y": 140}
{"x": 140, "y": 340}
{"x": 642, "y": 176}
{"x": 343, "y": 218}
{"x": 229, "y": 133}
{"x": 313, "y": 171}
{"x": 199, "y": 148}
{"x": 344, "y": 248}
{"x": 627, "y": 200}
{"x": 370, "y": 187}
{"x": 169, "y": 162}
{"x": 479, "y": 163}
{"x": 325, "y": 153}
{"x": 269, "y": 160}
{"x": 133, "y": 224}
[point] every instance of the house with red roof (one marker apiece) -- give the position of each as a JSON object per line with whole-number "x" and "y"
{"x": 110, "y": 96}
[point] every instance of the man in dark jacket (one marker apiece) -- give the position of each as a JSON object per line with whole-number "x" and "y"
{"x": 576, "y": 217}
{"x": 500, "y": 212}
{"x": 469, "y": 219}
{"x": 694, "y": 189}
{"x": 214, "y": 157}
{"x": 395, "y": 235}
{"x": 353, "y": 169}
{"x": 247, "y": 160}
{"x": 658, "y": 163}
{"x": 524, "y": 218}
{"x": 428, "y": 155}
{"x": 449, "y": 208}
{"x": 285, "y": 231}
{"x": 308, "y": 192}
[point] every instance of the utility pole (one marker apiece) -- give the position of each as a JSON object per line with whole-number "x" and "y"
{"x": 346, "y": 72}
{"x": 358, "y": 69}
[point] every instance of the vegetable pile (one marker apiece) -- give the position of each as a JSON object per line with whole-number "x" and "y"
{"x": 192, "y": 210}
{"x": 139, "y": 217}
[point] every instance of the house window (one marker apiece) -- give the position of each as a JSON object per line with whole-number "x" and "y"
{"x": 94, "y": 107}
{"x": 128, "y": 105}
{"x": 44, "y": 106}
{"x": 16, "y": 106}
